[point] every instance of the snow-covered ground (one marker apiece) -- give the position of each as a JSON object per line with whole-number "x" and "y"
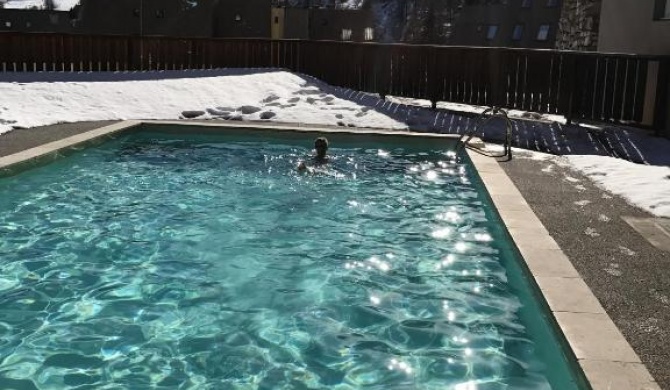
{"x": 35, "y": 99}
{"x": 61, "y": 5}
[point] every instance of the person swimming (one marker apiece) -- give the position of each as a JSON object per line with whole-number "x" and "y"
{"x": 320, "y": 157}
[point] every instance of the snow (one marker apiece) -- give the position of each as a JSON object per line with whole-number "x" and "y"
{"x": 40, "y": 99}
{"x": 61, "y": 5}
{"x": 646, "y": 186}
{"x": 37, "y": 99}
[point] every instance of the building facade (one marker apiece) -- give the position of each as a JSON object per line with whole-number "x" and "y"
{"x": 579, "y": 25}
{"x": 146, "y": 17}
{"x": 26, "y": 20}
{"x": 242, "y": 19}
{"x": 634, "y": 26}
{"x": 322, "y": 23}
{"x": 506, "y": 23}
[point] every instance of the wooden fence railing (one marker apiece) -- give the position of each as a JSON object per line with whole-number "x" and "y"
{"x": 618, "y": 88}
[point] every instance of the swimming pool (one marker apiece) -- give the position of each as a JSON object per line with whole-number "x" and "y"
{"x": 206, "y": 261}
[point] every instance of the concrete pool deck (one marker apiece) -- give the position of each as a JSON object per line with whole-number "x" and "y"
{"x": 606, "y": 357}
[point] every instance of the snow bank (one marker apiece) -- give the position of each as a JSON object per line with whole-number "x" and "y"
{"x": 61, "y": 5}
{"x": 30, "y": 100}
{"x": 647, "y": 187}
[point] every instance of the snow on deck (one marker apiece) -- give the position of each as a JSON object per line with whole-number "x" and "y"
{"x": 61, "y": 5}
{"x": 36, "y": 99}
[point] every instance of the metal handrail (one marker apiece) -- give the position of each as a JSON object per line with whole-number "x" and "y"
{"x": 487, "y": 116}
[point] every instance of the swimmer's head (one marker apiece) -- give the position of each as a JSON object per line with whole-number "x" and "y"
{"x": 321, "y": 147}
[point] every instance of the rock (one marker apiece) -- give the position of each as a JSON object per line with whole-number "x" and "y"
{"x": 272, "y": 97}
{"x": 339, "y": 116}
{"x": 236, "y": 118}
{"x": 248, "y": 109}
{"x": 340, "y": 123}
{"x": 192, "y": 114}
{"x": 215, "y": 112}
{"x": 267, "y": 115}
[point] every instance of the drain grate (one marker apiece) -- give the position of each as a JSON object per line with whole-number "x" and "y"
{"x": 654, "y": 230}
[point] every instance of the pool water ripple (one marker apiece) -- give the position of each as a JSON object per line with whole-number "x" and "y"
{"x": 159, "y": 262}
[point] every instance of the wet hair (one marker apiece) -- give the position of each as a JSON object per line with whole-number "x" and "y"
{"x": 321, "y": 142}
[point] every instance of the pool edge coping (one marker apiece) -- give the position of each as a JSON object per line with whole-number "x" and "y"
{"x": 600, "y": 349}
{"x": 602, "y": 352}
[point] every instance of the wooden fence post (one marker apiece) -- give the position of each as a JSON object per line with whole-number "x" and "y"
{"x": 568, "y": 86}
{"x": 433, "y": 77}
{"x": 382, "y": 70}
{"x": 496, "y": 73}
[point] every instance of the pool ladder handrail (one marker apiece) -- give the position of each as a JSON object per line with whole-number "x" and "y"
{"x": 484, "y": 118}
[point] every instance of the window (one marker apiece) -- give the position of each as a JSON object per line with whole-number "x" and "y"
{"x": 526, "y": 3}
{"x": 518, "y": 32}
{"x": 369, "y": 33}
{"x": 662, "y": 10}
{"x": 346, "y": 34}
{"x": 552, "y": 3}
{"x": 160, "y": 14}
{"x": 8, "y": 24}
{"x": 491, "y": 32}
{"x": 543, "y": 32}
{"x": 276, "y": 19}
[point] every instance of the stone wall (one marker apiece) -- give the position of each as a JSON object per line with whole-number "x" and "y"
{"x": 578, "y": 25}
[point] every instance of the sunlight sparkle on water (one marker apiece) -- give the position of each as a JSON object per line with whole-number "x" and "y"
{"x": 399, "y": 365}
{"x": 470, "y": 385}
{"x": 461, "y": 246}
{"x": 451, "y": 316}
{"x": 445, "y": 262}
{"x": 441, "y": 233}
{"x": 483, "y": 237}
{"x": 431, "y": 175}
{"x": 450, "y": 216}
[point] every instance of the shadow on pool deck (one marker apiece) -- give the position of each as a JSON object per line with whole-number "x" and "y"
{"x": 631, "y": 144}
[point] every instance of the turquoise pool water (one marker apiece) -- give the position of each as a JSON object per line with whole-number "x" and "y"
{"x": 159, "y": 261}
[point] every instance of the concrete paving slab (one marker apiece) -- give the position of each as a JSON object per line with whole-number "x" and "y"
{"x": 618, "y": 375}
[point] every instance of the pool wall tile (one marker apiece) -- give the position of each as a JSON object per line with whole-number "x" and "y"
{"x": 606, "y": 358}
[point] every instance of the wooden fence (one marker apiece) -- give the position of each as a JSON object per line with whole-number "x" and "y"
{"x": 617, "y": 88}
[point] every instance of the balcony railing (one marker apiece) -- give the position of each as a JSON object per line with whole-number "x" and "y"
{"x": 582, "y": 86}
